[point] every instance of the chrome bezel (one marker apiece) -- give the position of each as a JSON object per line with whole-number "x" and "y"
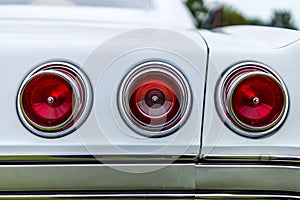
{"x": 124, "y": 108}
{"x": 82, "y": 99}
{"x": 224, "y": 102}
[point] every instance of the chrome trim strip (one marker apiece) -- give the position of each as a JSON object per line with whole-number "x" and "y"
{"x": 97, "y": 177}
{"x": 251, "y": 158}
{"x": 148, "y": 195}
{"x": 102, "y": 196}
{"x": 248, "y": 177}
{"x": 130, "y": 158}
{"x": 78, "y": 159}
{"x": 222, "y": 106}
{"x": 244, "y": 196}
{"x": 274, "y": 179}
{"x": 144, "y": 195}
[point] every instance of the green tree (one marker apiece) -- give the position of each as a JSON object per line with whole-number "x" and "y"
{"x": 231, "y": 16}
{"x": 222, "y": 15}
{"x": 283, "y": 19}
{"x": 225, "y": 15}
{"x": 198, "y": 9}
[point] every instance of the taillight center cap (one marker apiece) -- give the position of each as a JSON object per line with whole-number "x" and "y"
{"x": 155, "y": 98}
{"x": 256, "y": 100}
{"x": 50, "y": 100}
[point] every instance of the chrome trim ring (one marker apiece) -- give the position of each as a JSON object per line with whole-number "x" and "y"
{"x": 224, "y": 99}
{"x": 82, "y": 98}
{"x": 155, "y": 130}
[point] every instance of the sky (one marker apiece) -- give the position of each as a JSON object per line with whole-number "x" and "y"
{"x": 263, "y": 8}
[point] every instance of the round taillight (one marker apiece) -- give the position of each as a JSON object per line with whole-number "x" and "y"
{"x": 54, "y": 99}
{"x": 252, "y": 99}
{"x": 154, "y": 99}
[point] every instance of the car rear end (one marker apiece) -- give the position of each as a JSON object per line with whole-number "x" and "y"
{"x": 95, "y": 108}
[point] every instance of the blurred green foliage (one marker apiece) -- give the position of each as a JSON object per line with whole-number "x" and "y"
{"x": 282, "y": 19}
{"x": 230, "y": 16}
{"x": 198, "y": 9}
{"x": 225, "y": 15}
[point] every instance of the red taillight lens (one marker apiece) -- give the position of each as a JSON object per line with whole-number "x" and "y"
{"x": 49, "y": 99}
{"x": 257, "y": 100}
{"x": 254, "y": 100}
{"x": 154, "y": 99}
{"x": 52, "y": 99}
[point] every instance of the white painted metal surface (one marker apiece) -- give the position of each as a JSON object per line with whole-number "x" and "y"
{"x": 105, "y": 43}
{"x": 155, "y": 13}
{"x": 277, "y": 48}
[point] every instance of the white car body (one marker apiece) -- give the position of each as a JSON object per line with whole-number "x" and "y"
{"x": 104, "y": 157}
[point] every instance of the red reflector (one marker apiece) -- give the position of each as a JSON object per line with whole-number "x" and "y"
{"x": 154, "y": 99}
{"x": 54, "y": 99}
{"x": 254, "y": 100}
